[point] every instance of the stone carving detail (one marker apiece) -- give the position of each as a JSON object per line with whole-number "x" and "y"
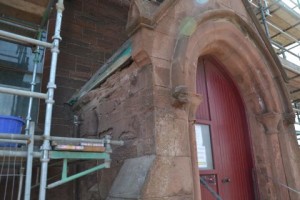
{"x": 182, "y": 97}
{"x": 145, "y": 13}
{"x": 180, "y": 94}
{"x": 270, "y": 122}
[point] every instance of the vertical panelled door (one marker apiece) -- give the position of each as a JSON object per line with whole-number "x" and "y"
{"x": 223, "y": 146}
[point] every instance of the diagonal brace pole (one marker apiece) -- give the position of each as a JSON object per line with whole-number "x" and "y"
{"x": 66, "y": 179}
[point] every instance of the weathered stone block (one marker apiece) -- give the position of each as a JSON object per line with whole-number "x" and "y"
{"x": 131, "y": 178}
{"x": 162, "y": 76}
{"x": 169, "y": 177}
{"x": 224, "y": 3}
{"x": 172, "y": 136}
{"x": 168, "y": 26}
{"x": 162, "y": 98}
{"x": 163, "y": 46}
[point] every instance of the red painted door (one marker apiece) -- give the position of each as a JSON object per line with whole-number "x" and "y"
{"x": 221, "y": 116}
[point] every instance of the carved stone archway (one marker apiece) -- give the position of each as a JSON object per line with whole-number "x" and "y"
{"x": 224, "y": 35}
{"x": 231, "y": 37}
{"x": 152, "y": 102}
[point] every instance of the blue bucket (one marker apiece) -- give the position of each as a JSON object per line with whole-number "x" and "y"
{"x": 10, "y": 125}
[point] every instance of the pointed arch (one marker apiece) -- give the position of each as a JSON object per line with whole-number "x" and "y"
{"x": 227, "y": 37}
{"x": 233, "y": 42}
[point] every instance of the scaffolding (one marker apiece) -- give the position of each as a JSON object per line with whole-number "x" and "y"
{"x": 52, "y": 147}
{"x": 281, "y": 37}
{"x": 281, "y": 21}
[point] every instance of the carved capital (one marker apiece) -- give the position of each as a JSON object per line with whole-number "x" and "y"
{"x": 270, "y": 122}
{"x": 191, "y": 101}
{"x": 180, "y": 95}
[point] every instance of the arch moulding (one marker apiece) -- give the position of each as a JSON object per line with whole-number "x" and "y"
{"x": 225, "y": 36}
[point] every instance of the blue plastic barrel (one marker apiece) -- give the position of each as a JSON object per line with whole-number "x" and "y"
{"x": 11, "y": 125}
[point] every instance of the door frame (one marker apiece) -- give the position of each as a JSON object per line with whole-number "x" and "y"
{"x": 216, "y": 152}
{"x": 267, "y": 106}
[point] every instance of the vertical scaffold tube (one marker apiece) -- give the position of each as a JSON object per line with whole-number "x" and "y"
{"x": 33, "y": 83}
{"x": 263, "y": 18}
{"x": 29, "y": 130}
{"x": 20, "y": 183}
{"x": 50, "y": 101}
{"x": 29, "y": 162}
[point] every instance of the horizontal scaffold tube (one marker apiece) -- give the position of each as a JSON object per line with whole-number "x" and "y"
{"x": 65, "y": 139}
{"x": 7, "y": 153}
{"x": 20, "y": 38}
{"x": 14, "y": 136}
{"x": 14, "y": 141}
{"x": 61, "y": 139}
{"x": 23, "y": 93}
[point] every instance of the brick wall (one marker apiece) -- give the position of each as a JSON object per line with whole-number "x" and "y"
{"x": 91, "y": 32}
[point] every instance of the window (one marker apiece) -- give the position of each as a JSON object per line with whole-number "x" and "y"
{"x": 204, "y": 147}
{"x": 16, "y": 67}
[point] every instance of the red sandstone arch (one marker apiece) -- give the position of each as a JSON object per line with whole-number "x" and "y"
{"x": 224, "y": 35}
{"x": 232, "y": 41}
